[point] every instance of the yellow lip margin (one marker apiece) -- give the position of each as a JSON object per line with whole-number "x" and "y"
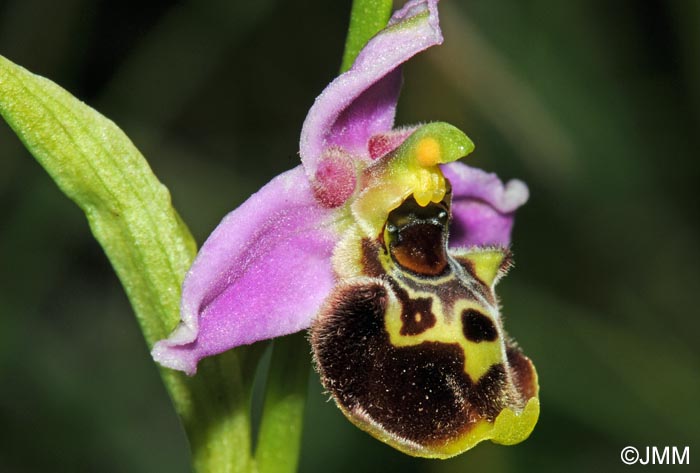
{"x": 509, "y": 428}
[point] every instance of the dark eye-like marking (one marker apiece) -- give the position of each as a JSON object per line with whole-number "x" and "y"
{"x": 478, "y": 327}
{"x": 416, "y": 237}
{"x": 416, "y": 314}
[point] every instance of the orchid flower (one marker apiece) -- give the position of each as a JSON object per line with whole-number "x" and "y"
{"x": 353, "y": 244}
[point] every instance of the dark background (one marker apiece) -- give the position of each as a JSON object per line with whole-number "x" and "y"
{"x": 595, "y": 104}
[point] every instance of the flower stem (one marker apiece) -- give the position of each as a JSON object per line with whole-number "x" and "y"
{"x": 283, "y": 411}
{"x": 218, "y": 427}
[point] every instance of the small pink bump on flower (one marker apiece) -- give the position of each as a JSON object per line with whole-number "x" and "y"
{"x": 335, "y": 178}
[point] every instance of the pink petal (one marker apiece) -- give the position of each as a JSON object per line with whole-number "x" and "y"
{"x": 263, "y": 272}
{"x": 483, "y": 208}
{"x": 362, "y": 102}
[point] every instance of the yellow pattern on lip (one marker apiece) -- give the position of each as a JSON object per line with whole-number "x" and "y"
{"x": 448, "y": 330}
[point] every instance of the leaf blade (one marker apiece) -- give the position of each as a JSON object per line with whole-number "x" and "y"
{"x": 99, "y": 168}
{"x": 131, "y": 215}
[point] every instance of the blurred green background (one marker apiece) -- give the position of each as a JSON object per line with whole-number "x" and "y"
{"x": 595, "y": 104}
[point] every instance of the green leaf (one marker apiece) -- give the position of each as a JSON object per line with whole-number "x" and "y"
{"x": 130, "y": 214}
{"x": 367, "y": 18}
{"x": 97, "y": 166}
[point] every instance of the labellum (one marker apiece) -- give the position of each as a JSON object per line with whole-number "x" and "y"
{"x": 414, "y": 350}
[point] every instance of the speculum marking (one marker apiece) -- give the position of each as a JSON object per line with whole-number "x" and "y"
{"x": 478, "y": 327}
{"x": 416, "y": 315}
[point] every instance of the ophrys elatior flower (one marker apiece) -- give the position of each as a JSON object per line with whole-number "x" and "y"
{"x": 353, "y": 244}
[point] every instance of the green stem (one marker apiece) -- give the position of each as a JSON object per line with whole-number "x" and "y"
{"x": 367, "y": 18}
{"x": 283, "y": 411}
{"x": 218, "y": 427}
